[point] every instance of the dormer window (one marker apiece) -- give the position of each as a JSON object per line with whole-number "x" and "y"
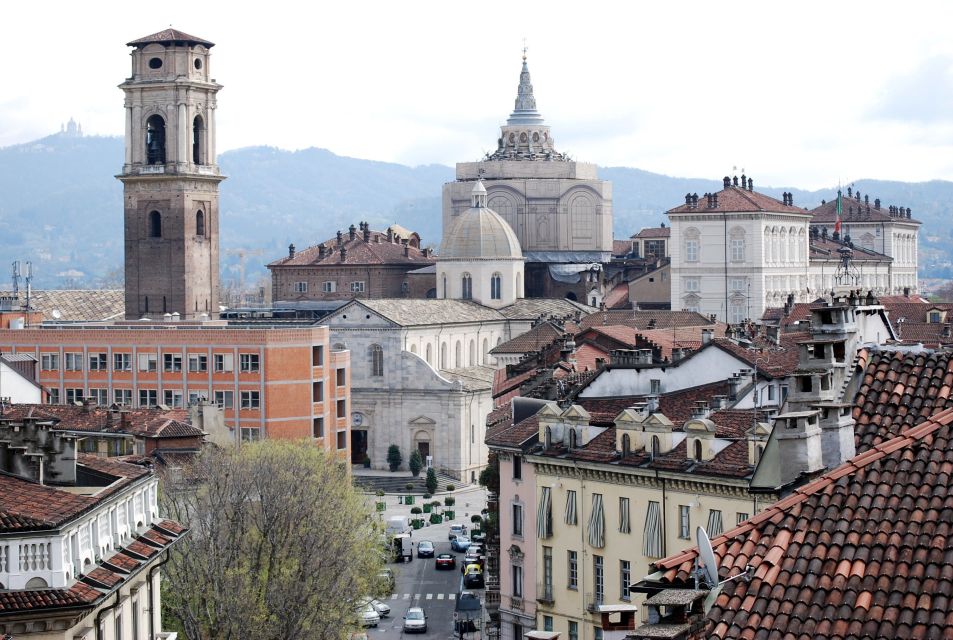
{"x": 548, "y": 438}
{"x": 697, "y": 448}
{"x": 656, "y": 447}
{"x": 626, "y": 445}
{"x": 572, "y": 439}
{"x": 935, "y": 317}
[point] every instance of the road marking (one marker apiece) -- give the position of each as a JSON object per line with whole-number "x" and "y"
{"x": 439, "y": 596}
{"x": 406, "y": 596}
{"x": 394, "y": 596}
{"x": 416, "y": 596}
{"x": 451, "y": 596}
{"x": 429, "y": 596}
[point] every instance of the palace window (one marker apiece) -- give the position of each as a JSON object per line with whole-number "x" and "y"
{"x": 250, "y": 400}
{"x": 467, "y": 282}
{"x": 357, "y": 287}
{"x": 200, "y": 223}
{"x": 301, "y": 287}
{"x": 377, "y": 360}
{"x": 155, "y": 228}
{"x": 495, "y": 286}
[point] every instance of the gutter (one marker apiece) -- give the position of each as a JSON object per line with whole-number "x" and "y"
{"x": 151, "y": 572}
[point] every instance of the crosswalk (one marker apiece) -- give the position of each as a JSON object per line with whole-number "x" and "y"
{"x": 423, "y": 596}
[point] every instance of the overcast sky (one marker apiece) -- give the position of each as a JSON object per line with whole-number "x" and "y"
{"x": 799, "y": 94}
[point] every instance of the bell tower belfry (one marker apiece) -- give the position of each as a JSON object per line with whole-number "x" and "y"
{"x": 170, "y": 179}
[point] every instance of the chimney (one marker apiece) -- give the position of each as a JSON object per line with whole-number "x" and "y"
{"x": 716, "y": 206}
{"x": 406, "y": 248}
{"x": 946, "y": 330}
{"x": 651, "y": 404}
{"x": 352, "y": 231}
{"x": 87, "y": 405}
{"x": 124, "y": 418}
{"x": 735, "y": 181}
{"x": 700, "y": 410}
{"x": 750, "y": 184}
{"x": 322, "y": 250}
{"x": 343, "y": 253}
{"x": 908, "y": 213}
{"x": 694, "y": 201}
{"x": 734, "y": 383}
{"x": 849, "y": 191}
{"x": 390, "y": 234}
{"x": 707, "y": 336}
{"x": 877, "y": 204}
{"x": 867, "y": 199}
{"x": 727, "y": 181}
{"x": 340, "y": 238}
{"x": 291, "y": 250}
{"x": 688, "y": 199}
{"x": 367, "y": 233}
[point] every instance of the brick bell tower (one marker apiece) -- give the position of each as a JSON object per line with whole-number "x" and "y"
{"x": 170, "y": 179}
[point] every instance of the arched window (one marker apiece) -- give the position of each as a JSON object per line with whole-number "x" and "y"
{"x": 377, "y": 360}
{"x": 737, "y": 244}
{"x": 625, "y": 444}
{"x": 467, "y": 283}
{"x": 413, "y": 348}
{"x": 471, "y": 361}
{"x": 758, "y": 452}
{"x": 768, "y": 257}
{"x": 548, "y": 438}
{"x": 692, "y": 244}
{"x": 496, "y": 282}
{"x": 458, "y": 355}
{"x": 519, "y": 286}
{"x": 155, "y": 140}
{"x": 443, "y": 356}
{"x": 200, "y": 223}
{"x": 198, "y": 140}
{"x": 572, "y": 439}
{"x": 783, "y": 246}
{"x": 443, "y": 279}
{"x": 430, "y": 355}
{"x": 155, "y": 224}
{"x": 36, "y": 583}
{"x": 656, "y": 446}
{"x": 698, "y": 450}
{"x": 484, "y": 352}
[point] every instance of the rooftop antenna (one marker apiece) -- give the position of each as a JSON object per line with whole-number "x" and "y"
{"x": 29, "y": 282}
{"x": 16, "y": 278}
{"x": 706, "y": 566}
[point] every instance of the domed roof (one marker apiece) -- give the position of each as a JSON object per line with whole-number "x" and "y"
{"x": 480, "y": 232}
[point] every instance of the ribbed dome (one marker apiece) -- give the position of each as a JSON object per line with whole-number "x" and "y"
{"x": 480, "y": 233}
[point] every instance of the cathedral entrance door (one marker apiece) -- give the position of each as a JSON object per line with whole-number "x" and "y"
{"x": 424, "y": 448}
{"x": 358, "y": 446}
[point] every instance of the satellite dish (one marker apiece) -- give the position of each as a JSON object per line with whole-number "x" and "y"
{"x": 56, "y": 314}
{"x": 706, "y": 567}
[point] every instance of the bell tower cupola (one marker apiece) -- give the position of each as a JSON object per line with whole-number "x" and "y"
{"x": 170, "y": 178}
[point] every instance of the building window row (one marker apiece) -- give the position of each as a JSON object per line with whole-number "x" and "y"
{"x": 148, "y": 362}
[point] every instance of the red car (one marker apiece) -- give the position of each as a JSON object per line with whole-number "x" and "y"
{"x": 445, "y": 561}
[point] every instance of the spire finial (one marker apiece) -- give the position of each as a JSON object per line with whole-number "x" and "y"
{"x": 525, "y": 49}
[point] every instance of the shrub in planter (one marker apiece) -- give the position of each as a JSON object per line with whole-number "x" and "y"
{"x": 427, "y": 496}
{"x": 450, "y": 487}
{"x": 415, "y": 510}
{"x": 408, "y": 499}
{"x": 409, "y": 486}
{"x": 475, "y": 518}
{"x": 431, "y": 481}
{"x": 416, "y": 523}
{"x": 416, "y": 462}
{"x": 448, "y": 515}
{"x": 367, "y": 462}
{"x": 393, "y": 457}
{"x": 381, "y": 506}
{"x": 435, "y": 518}
{"x": 380, "y": 493}
{"x": 449, "y": 501}
{"x": 427, "y": 507}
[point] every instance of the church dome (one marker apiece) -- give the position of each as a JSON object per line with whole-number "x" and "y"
{"x": 480, "y": 232}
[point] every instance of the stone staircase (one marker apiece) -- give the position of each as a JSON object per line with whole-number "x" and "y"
{"x": 397, "y": 484}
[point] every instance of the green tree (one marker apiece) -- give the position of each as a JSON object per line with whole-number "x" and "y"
{"x": 281, "y": 545}
{"x": 416, "y": 462}
{"x": 490, "y": 476}
{"x": 393, "y": 457}
{"x": 431, "y": 480}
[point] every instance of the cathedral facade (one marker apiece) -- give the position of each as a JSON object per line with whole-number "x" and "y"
{"x": 559, "y": 209}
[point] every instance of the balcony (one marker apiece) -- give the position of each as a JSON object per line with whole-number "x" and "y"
{"x": 516, "y": 604}
{"x": 594, "y": 601}
{"x": 544, "y": 594}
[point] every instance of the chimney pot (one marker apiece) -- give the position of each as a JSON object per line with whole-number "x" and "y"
{"x": 750, "y": 184}
{"x": 343, "y": 253}
{"x": 340, "y": 238}
{"x": 849, "y": 191}
{"x": 352, "y": 231}
{"x": 322, "y": 251}
{"x": 367, "y": 233}
{"x": 877, "y": 204}
{"x": 727, "y": 181}
{"x": 734, "y": 181}
{"x": 291, "y": 250}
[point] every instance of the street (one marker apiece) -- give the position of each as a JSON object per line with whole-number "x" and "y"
{"x": 420, "y": 584}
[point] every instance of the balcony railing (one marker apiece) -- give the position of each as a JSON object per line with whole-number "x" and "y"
{"x": 544, "y": 593}
{"x": 594, "y": 601}
{"x": 516, "y": 604}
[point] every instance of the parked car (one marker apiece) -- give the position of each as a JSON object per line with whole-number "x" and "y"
{"x": 478, "y": 536}
{"x": 382, "y": 609}
{"x": 473, "y": 578}
{"x": 385, "y": 583}
{"x": 446, "y": 561}
{"x": 473, "y": 556}
{"x": 369, "y": 616}
{"x": 457, "y": 530}
{"x": 425, "y": 549}
{"x": 415, "y": 620}
{"x": 460, "y": 543}
{"x": 464, "y": 568}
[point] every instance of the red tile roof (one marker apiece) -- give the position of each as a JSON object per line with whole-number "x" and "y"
{"x": 621, "y": 247}
{"x": 638, "y": 319}
{"x": 827, "y": 248}
{"x": 738, "y": 200}
{"x": 523, "y": 435}
{"x": 654, "y": 232}
{"x": 540, "y": 336}
{"x": 618, "y": 297}
{"x": 145, "y": 423}
{"x": 772, "y": 360}
{"x": 167, "y": 36}
{"x": 377, "y": 251}
{"x": 861, "y": 552}
{"x": 854, "y": 210}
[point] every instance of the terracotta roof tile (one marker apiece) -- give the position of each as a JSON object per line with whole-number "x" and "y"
{"x": 524, "y": 434}
{"x": 638, "y": 319}
{"x": 854, "y": 210}
{"x": 539, "y": 337}
{"x": 378, "y": 250}
{"x": 735, "y": 199}
{"x": 654, "y": 232}
{"x": 146, "y": 423}
{"x": 78, "y": 304}
{"x": 846, "y": 555}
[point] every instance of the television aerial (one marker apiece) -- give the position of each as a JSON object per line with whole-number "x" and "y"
{"x": 706, "y": 566}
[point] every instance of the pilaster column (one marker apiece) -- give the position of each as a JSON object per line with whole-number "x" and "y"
{"x": 136, "y": 140}
{"x": 182, "y": 156}
{"x": 128, "y": 137}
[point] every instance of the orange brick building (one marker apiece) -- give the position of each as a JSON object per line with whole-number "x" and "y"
{"x": 272, "y": 381}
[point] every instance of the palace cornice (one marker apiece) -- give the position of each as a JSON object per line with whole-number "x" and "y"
{"x": 639, "y": 477}
{"x": 719, "y": 216}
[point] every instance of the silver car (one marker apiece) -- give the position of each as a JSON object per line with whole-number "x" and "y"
{"x": 415, "y": 621}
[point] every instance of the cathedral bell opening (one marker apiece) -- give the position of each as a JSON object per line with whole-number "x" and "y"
{"x": 155, "y": 140}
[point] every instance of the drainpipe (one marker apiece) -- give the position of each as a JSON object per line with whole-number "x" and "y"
{"x": 726, "y": 266}
{"x": 664, "y": 511}
{"x": 152, "y": 619}
{"x": 99, "y": 616}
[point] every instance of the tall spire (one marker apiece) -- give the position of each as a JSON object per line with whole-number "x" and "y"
{"x": 525, "y": 111}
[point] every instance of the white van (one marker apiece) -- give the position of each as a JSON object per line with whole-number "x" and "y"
{"x": 398, "y": 525}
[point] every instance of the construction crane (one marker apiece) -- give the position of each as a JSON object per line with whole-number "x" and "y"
{"x": 243, "y": 254}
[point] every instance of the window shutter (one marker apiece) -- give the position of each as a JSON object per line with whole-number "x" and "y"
{"x": 597, "y": 523}
{"x": 652, "y": 535}
{"x": 229, "y": 362}
{"x": 544, "y": 515}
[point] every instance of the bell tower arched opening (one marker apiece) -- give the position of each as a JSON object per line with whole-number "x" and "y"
{"x": 155, "y": 140}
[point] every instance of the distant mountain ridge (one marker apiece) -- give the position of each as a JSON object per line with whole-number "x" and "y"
{"x": 61, "y": 206}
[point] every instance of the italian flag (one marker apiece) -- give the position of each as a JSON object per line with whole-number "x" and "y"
{"x": 840, "y": 208}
